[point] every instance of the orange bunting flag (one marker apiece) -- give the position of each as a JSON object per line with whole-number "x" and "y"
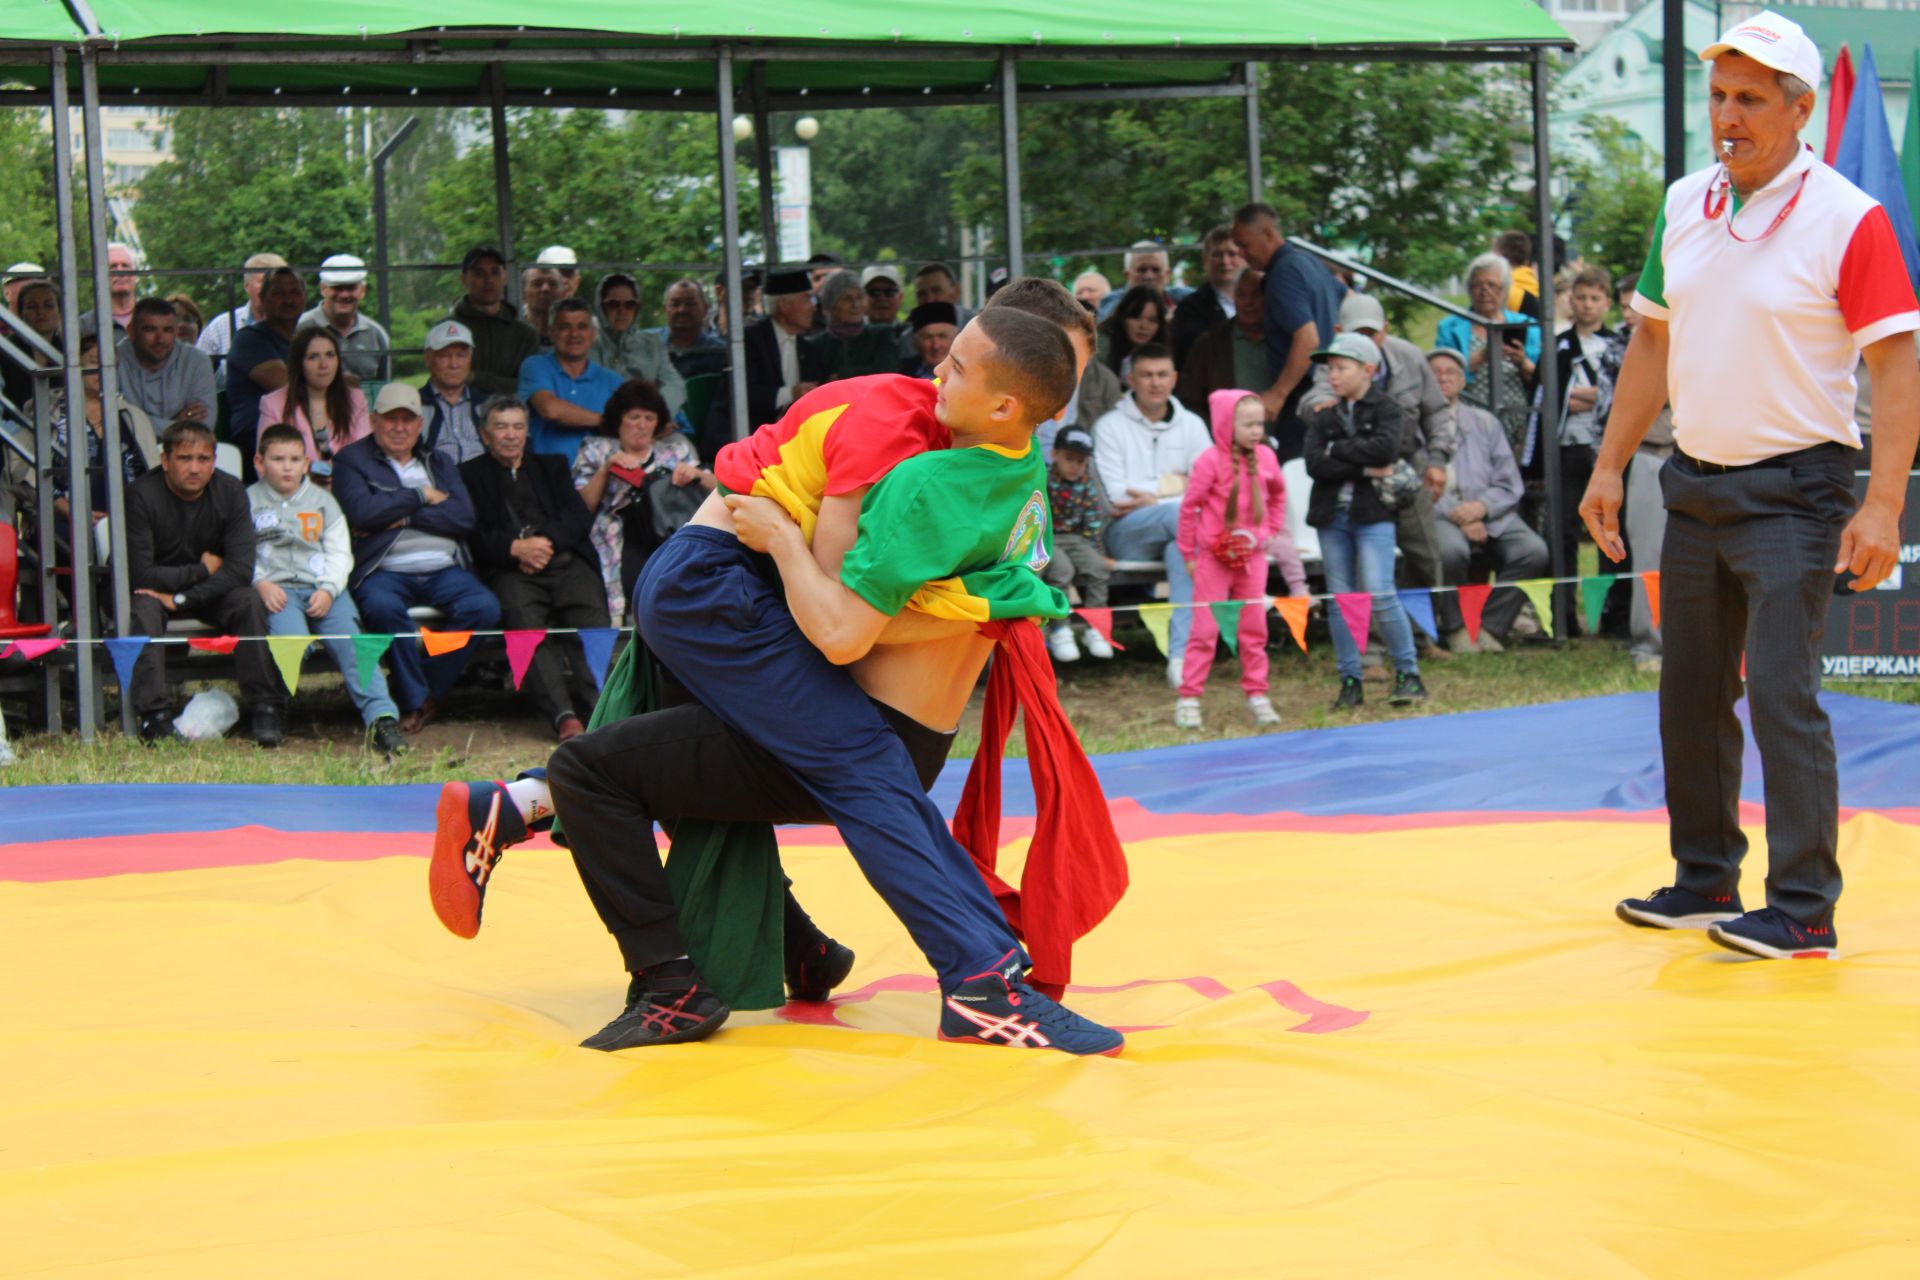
{"x": 439, "y": 642}
{"x": 1652, "y": 580}
{"x": 1294, "y": 610}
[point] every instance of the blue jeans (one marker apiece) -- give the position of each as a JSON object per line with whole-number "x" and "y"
{"x": 1345, "y": 547}
{"x": 711, "y": 611}
{"x": 386, "y": 596}
{"x": 342, "y": 619}
{"x": 1148, "y": 534}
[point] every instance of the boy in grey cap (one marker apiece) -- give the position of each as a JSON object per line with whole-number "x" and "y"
{"x": 1080, "y": 511}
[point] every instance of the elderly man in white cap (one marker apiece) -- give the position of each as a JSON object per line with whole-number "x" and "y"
{"x": 18, "y": 275}
{"x": 448, "y": 402}
{"x": 411, "y": 517}
{"x": 882, "y": 284}
{"x": 363, "y": 342}
{"x": 1770, "y": 278}
{"x": 565, "y": 263}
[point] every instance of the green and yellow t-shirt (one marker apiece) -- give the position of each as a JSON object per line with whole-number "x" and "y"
{"x": 960, "y": 534}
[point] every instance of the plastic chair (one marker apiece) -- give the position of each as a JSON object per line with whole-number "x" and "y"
{"x": 11, "y": 628}
{"x": 226, "y": 457}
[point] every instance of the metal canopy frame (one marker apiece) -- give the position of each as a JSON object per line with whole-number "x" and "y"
{"x": 494, "y": 51}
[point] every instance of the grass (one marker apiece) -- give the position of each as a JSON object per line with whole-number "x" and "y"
{"x": 1122, "y": 705}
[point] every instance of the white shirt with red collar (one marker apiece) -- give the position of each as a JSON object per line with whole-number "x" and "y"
{"x": 1766, "y": 330}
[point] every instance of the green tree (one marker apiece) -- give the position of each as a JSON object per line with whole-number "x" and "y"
{"x": 26, "y": 173}
{"x": 631, "y": 187}
{"x": 1616, "y": 194}
{"x": 242, "y": 181}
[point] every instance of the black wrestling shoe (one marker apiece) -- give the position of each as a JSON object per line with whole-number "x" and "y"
{"x": 816, "y": 967}
{"x": 666, "y": 1004}
{"x": 156, "y": 727}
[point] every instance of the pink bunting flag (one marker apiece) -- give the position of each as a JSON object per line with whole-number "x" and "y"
{"x": 520, "y": 647}
{"x": 1101, "y": 620}
{"x": 1356, "y": 610}
{"x": 31, "y": 649}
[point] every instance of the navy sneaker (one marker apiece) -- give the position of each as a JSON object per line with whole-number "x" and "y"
{"x": 1673, "y": 908}
{"x": 816, "y": 967}
{"x": 475, "y": 823}
{"x": 666, "y": 1004}
{"x": 1772, "y": 934}
{"x": 998, "y": 1007}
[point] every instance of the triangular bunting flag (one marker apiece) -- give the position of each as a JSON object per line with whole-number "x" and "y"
{"x": 125, "y": 650}
{"x": 1540, "y": 591}
{"x": 1418, "y": 602}
{"x": 1473, "y": 602}
{"x": 1593, "y": 598}
{"x": 1156, "y": 617}
{"x": 1356, "y": 610}
{"x": 598, "y": 644}
{"x": 213, "y": 644}
{"x": 366, "y": 653}
{"x": 1226, "y": 616}
{"x": 439, "y": 642}
{"x": 31, "y": 649}
{"x": 287, "y": 653}
{"x": 1294, "y": 610}
{"x": 1101, "y": 620}
{"x": 520, "y": 647}
{"x": 1651, "y": 581}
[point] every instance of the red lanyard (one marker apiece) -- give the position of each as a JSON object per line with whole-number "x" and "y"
{"x": 1713, "y": 209}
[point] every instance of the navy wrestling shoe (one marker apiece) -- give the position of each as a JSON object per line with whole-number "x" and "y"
{"x": 666, "y": 1004}
{"x": 998, "y": 1007}
{"x": 474, "y": 825}
{"x": 1674, "y": 908}
{"x": 1772, "y": 934}
{"x": 816, "y": 967}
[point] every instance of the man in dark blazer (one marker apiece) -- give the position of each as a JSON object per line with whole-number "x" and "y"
{"x": 530, "y": 546}
{"x": 780, "y": 368}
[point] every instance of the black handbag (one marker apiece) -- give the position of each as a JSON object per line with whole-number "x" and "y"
{"x": 669, "y": 505}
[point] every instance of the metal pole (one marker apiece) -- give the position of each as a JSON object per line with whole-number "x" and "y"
{"x": 80, "y": 530}
{"x": 1010, "y": 162}
{"x": 1549, "y": 368}
{"x": 109, "y": 372}
{"x": 1673, "y": 63}
{"x": 1256, "y": 181}
{"x": 763, "y": 158}
{"x": 45, "y": 533}
{"x": 730, "y": 240}
{"x": 380, "y": 159}
{"x": 502, "y": 183}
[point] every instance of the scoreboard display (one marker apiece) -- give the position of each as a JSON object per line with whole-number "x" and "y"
{"x": 1875, "y": 635}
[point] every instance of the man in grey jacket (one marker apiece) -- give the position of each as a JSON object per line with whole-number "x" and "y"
{"x": 1477, "y": 514}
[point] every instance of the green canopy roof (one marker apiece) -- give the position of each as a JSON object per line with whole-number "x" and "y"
{"x": 660, "y": 53}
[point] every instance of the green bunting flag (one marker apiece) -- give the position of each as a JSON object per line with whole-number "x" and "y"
{"x": 1540, "y": 591}
{"x": 287, "y": 653}
{"x": 1593, "y": 598}
{"x": 1156, "y": 617}
{"x": 1226, "y": 616}
{"x": 366, "y": 653}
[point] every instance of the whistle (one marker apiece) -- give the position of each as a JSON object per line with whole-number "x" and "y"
{"x": 1726, "y": 146}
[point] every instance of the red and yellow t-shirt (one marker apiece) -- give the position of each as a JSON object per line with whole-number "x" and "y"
{"x": 833, "y": 440}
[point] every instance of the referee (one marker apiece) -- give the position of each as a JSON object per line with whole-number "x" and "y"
{"x": 1770, "y": 277}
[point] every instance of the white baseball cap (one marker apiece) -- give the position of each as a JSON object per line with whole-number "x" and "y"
{"x": 448, "y": 333}
{"x": 396, "y": 396}
{"x": 343, "y": 268}
{"x": 26, "y": 269}
{"x": 557, "y": 255}
{"x": 1772, "y": 41}
{"x": 880, "y": 271}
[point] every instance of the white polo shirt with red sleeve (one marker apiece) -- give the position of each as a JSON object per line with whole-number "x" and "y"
{"x": 1766, "y": 332}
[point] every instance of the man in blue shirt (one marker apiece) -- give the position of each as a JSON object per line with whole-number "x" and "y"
{"x": 1302, "y": 309}
{"x": 257, "y": 363}
{"x": 566, "y": 391}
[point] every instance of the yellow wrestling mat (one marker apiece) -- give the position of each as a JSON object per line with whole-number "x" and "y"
{"x": 1415, "y": 1052}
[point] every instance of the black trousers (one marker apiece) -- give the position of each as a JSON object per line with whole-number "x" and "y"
{"x": 611, "y": 785}
{"x": 1747, "y": 571}
{"x": 237, "y": 613}
{"x": 569, "y": 597}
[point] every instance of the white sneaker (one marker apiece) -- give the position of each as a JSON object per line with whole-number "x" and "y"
{"x": 1176, "y": 671}
{"x": 1260, "y": 707}
{"x": 1096, "y": 645}
{"x": 1186, "y": 713}
{"x": 1060, "y": 644}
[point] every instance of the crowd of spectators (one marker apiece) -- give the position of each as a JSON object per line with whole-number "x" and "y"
{"x": 555, "y": 442}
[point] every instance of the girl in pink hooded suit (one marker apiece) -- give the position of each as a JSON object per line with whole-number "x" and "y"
{"x": 1235, "y": 502}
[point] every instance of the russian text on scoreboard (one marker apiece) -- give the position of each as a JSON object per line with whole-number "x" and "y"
{"x": 1875, "y": 635}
